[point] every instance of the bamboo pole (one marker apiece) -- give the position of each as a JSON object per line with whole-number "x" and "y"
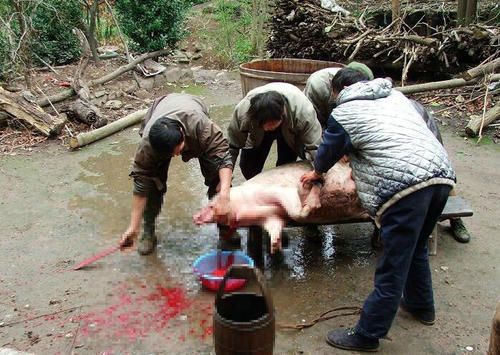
{"x": 89, "y": 137}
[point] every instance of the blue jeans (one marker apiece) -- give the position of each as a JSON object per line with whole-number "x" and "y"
{"x": 403, "y": 269}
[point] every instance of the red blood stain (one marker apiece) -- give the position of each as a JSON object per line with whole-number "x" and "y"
{"x": 135, "y": 317}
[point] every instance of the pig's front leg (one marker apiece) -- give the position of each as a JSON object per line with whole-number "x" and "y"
{"x": 274, "y": 225}
{"x": 311, "y": 202}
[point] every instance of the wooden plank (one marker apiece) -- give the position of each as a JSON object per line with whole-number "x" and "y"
{"x": 456, "y": 207}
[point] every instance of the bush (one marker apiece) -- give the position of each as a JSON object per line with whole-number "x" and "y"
{"x": 53, "y": 39}
{"x": 152, "y": 25}
{"x": 4, "y": 53}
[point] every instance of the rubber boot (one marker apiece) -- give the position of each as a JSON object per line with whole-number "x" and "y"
{"x": 459, "y": 231}
{"x": 148, "y": 241}
{"x": 226, "y": 241}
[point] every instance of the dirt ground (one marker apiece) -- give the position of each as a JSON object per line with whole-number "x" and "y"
{"x": 58, "y": 207}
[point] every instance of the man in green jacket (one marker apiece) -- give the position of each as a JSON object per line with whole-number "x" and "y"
{"x": 176, "y": 124}
{"x": 276, "y": 111}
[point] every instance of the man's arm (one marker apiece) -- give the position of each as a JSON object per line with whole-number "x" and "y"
{"x": 236, "y": 137}
{"x": 336, "y": 144}
{"x": 129, "y": 236}
{"x": 309, "y": 136}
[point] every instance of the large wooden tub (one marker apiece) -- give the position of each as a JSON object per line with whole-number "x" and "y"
{"x": 294, "y": 71}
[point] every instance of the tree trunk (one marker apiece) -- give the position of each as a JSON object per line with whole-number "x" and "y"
{"x": 89, "y": 137}
{"x": 470, "y": 12}
{"x": 24, "y": 40}
{"x": 461, "y": 10}
{"x": 396, "y": 10}
{"x": 475, "y": 124}
{"x": 87, "y": 113}
{"x": 32, "y": 114}
{"x": 91, "y": 38}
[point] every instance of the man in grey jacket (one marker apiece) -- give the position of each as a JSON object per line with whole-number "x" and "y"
{"x": 276, "y": 111}
{"x": 403, "y": 177}
{"x": 176, "y": 124}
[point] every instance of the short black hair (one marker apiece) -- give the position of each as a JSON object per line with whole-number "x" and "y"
{"x": 164, "y": 135}
{"x": 346, "y": 77}
{"x": 266, "y": 106}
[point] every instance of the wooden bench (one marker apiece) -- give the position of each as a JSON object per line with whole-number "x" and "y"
{"x": 455, "y": 207}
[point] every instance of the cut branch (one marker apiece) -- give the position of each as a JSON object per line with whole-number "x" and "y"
{"x": 70, "y": 92}
{"x": 482, "y": 70}
{"x": 89, "y": 137}
{"x": 477, "y": 122}
{"x": 445, "y": 84}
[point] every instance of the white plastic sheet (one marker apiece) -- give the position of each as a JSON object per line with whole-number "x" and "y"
{"x": 333, "y": 7}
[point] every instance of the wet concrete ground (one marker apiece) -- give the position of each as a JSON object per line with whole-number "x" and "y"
{"x": 59, "y": 207}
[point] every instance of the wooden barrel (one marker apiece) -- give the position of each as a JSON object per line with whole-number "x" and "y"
{"x": 244, "y": 321}
{"x": 294, "y": 71}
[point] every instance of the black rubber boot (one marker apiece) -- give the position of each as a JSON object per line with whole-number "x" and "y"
{"x": 459, "y": 231}
{"x": 348, "y": 339}
{"x": 148, "y": 241}
{"x": 228, "y": 240}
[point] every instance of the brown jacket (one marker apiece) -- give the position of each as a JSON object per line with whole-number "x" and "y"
{"x": 202, "y": 138}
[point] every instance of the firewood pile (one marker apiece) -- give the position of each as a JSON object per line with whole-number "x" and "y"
{"x": 420, "y": 41}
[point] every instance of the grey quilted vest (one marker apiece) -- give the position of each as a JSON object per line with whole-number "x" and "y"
{"x": 394, "y": 152}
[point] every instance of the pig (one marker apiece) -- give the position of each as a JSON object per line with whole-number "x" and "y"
{"x": 275, "y": 197}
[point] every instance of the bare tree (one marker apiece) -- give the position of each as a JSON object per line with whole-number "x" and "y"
{"x": 466, "y": 11}
{"x": 89, "y": 28}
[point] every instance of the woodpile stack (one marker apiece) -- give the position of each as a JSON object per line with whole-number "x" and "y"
{"x": 303, "y": 29}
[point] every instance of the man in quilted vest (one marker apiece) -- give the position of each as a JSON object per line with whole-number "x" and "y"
{"x": 403, "y": 177}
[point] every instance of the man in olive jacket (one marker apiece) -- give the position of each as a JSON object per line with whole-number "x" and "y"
{"x": 276, "y": 111}
{"x": 176, "y": 124}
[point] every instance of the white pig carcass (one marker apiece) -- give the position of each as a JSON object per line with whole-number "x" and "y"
{"x": 275, "y": 197}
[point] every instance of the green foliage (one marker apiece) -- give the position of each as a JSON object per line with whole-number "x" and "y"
{"x": 4, "y": 52}
{"x": 53, "y": 39}
{"x": 152, "y": 25}
{"x": 240, "y": 32}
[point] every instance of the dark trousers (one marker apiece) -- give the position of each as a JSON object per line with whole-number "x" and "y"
{"x": 403, "y": 269}
{"x": 252, "y": 160}
{"x": 154, "y": 200}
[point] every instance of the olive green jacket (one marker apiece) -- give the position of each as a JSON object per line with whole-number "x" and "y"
{"x": 319, "y": 91}
{"x": 301, "y": 129}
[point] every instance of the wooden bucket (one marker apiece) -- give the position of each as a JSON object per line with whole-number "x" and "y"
{"x": 294, "y": 71}
{"x": 244, "y": 322}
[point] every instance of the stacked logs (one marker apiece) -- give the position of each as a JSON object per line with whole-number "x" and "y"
{"x": 303, "y": 29}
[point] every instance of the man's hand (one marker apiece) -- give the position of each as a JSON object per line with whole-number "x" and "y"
{"x": 310, "y": 177}
{"x": 128, "y": 238}
{"x": 221, "y": 208}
